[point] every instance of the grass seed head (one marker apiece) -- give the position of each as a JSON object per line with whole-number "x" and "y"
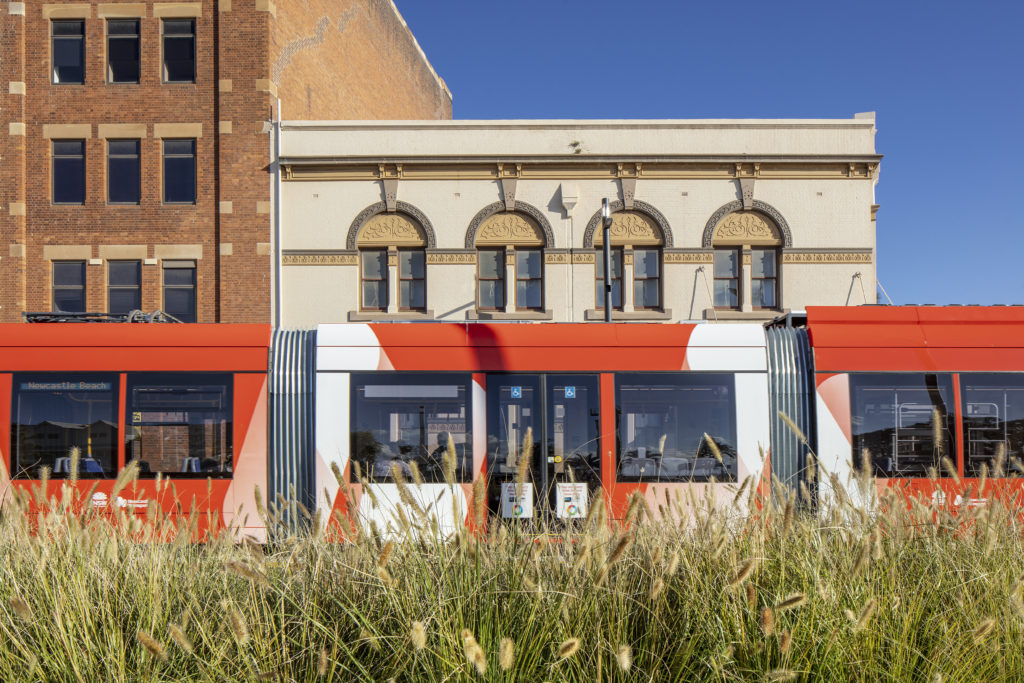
{"x": 321, "y": 666}
{"x": 418, "y": 635}
{"x": 236, "y": 621}
{"x": 621, "y": 546}
{"x": 780, "y": 675}
{"x": 568, "y": 648}
{"x": 983, "y": 630}
{"x": 866, "y": 612}
{"x": 371, "y": 640}
{"x": 792, "y": 602}
{"x": 785, "y": 642}
{"x": 767, "y": 621}
{"x": 713, "y": 447}
{"x": 152, "y": 645}
{"x": 21, "y": 608}
{"x": 385, "y": 554}
{"x": 624, "y": 657}
{"x": 656, "y": 588}
{"x": 742, "y": 572}
{"x": 506, "y": 654}
{"x": 177, "y": 634}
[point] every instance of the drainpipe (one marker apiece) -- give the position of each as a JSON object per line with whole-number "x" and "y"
{"x": 275, "y": 170}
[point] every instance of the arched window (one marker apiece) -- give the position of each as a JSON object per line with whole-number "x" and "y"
{"x": 637, "y": 241}
{"x": 746, "y": 241}
{"x": 392, "y": 264}
{"x": 510, "y": 263}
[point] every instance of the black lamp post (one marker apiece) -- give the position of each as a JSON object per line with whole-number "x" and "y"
{"x": 606, "y": 219}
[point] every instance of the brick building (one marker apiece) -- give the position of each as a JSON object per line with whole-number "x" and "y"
{"x": 134, "y": 163}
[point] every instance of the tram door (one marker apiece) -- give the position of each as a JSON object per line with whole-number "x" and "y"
{"x": 543, "y": 455}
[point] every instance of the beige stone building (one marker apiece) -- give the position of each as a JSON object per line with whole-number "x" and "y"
{"x": 500, "y": 220}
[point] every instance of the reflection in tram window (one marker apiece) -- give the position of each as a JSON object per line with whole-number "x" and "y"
{"x": 513, "y": 411}
{"x": 180, "y": 424}
{"x": 993, "y": 410}
{"x": 662, "y": 420}
{"x": 53, "y": 414}
{"x": 403, "y": 418}
{"x": 894, "y": 419}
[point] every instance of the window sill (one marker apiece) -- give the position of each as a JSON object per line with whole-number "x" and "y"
{"x": 515, "y": 315}
{"x": 380, "y": 316}
{"x": 597, "y": 315}
{"x": 761, "y": 315}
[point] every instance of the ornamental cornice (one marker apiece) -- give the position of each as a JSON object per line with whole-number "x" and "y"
{"x": 400, "y": 207}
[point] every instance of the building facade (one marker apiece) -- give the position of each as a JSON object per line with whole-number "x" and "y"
{"x": 136, "y": 152}
{"x": 723, "y": 220}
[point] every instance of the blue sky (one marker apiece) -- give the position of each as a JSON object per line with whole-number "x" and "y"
{"x": 945, "y": 78}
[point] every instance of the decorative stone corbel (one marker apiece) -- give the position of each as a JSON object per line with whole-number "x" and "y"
{"x": 509, "y": 178}
{"x": 627, "y": 183}
{"x": 389, "y": 178}
{"x": 747, "y": 192}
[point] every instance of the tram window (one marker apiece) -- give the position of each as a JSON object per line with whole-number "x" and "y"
{"x": 404, "y": 418}
{"x": 993, "y": 410}
{"x": 180, "y": 424}
{"x": 53, "y": 413}
{"x": 894, "y": 420}
{"x": 662, "y": 420}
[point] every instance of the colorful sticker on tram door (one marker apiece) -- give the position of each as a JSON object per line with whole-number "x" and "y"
{"x": 570, "y": 392}
{"x": 516, "y": 500}
{"x": 572, "y": 500}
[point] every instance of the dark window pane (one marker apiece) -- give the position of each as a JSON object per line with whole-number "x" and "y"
{"x": 124, "y": 301}
{"x": 375, "y": 294}
{"x": 180, "y": 424}
{"x": 179, "y": 172}
{"x": 181, "y": 303}
{"x": 404, "y": 418}
{"x": 529, "y": 263}
{"x": 69, "y": 172}
{"x": 179, "y": 51}
{"x": 413, "y": 294}
{"x": 412, "y": 264}
{"x": 69, "y": 273}
{"x": 69, "y": 300}
{"x": 993, "y": 410}
{"x": 763, "y": 263}
{"x": 68, "y": 52}
{"x": 123, "y": 172}
{"x": 124, "y": 273}
{"x": 375, "y": 264}
{"x": 727, "y": 293}
{"x": 123, "y": 51}
{"x": 528, "y": 294}
{"x": 180, "y": 293}
{"x": 646, "y": 294}
{"x": 727, "y": 263}
{"x": 53, "y": 413}
{"x": 894, "y": 420}
{"x": 492, "y": 263}
{"x": 645, "y": 263}
{"x": 179, "y": 276}
{"x": 661, "y": 426}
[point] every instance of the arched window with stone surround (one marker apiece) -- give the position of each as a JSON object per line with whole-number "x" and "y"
{"x": 392, "y": 264}
{"x": 746, "y": 252}
{"x": 636, "y": 245}
{"x": 510, "y": 263}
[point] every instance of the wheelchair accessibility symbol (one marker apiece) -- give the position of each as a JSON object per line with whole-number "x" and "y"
{"x": 570, "y": 392}
{"x": 517, "y": 392}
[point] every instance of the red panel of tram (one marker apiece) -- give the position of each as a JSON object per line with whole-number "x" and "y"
{"x": 186, "y": 402}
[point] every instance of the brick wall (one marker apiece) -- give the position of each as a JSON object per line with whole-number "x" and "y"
{"x": 324, "y": 58}
{"x": 352, "y": 59}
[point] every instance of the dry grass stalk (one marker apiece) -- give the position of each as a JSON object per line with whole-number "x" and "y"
{"x": 624, "y": 658}
{"x": 152, "y": 645}
{"x": 780, "y": 675}
{"x": 506, "y": 654}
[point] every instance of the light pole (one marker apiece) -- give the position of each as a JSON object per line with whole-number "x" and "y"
{"x": 606, "y": 219}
